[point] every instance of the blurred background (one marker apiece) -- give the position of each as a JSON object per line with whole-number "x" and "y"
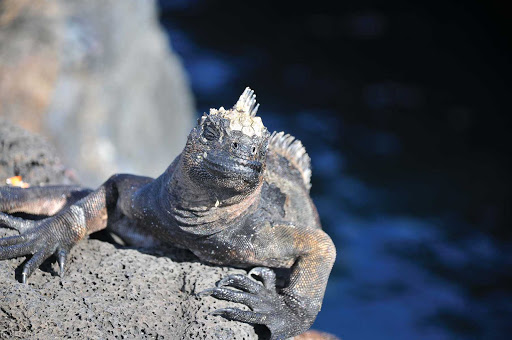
{"x": 402, "y": 107}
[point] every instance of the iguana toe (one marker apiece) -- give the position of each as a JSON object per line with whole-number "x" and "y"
{"x": 240, "y": 315}
{"x": 267, "y": 275}
{"x": 35, "y": 261}
{"x": 15, "y": 223}
{"x": 242, "y": 282}
{"x": 9, "y": 249}
{"x": 248, "y": 299}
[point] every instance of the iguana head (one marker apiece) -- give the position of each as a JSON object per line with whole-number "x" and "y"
{"x": 226, "y": 151}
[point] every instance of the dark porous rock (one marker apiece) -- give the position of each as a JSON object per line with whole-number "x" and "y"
{"x": 108, "y": 291}
{"x": 112, "y": 292}
{"x": 23, "y": 153}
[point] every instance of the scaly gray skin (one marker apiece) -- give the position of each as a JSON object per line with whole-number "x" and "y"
{"x": 235, "y": 196}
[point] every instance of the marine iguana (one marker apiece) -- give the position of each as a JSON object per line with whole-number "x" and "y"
{"x": 235, "y": 196}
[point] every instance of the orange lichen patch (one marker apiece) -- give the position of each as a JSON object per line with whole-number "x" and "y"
{"x": 16, "y": 181}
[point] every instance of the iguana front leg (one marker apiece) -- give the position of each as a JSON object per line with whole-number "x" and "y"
{"x": 292, "y": 310}
{"x": 59, "y": 233}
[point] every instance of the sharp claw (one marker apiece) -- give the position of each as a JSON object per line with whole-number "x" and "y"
{"x": 23, "y": 277}
{"x": 241, "y": 315}
{"x": 206, "y": 292}
{"x": 255, "y": 271}
{"x": 267, "y": 275}
{"x": 222, "y": 311}
{"x": 62, "y": 256}
{"x": 224, "y": 281}
{"x": 61, "y": 267}
{"x": 261, "y": 272}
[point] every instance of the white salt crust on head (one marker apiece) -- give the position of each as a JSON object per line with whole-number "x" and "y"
{"x": 242, "y": 117}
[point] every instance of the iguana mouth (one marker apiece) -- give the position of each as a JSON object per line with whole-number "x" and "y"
{"x": 235, "y": 167}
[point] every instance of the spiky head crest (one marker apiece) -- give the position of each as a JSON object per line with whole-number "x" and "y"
{"x": 242, "y": 117}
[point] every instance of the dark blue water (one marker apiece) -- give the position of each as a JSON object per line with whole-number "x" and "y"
{"x": 402, "y": 109}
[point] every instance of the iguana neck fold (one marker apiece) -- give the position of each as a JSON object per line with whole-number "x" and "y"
{"x": 193, "y": 204}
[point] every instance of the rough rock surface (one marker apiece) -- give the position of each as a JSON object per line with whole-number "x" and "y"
{"x": 97, "y": 77}
{"x": 108, "y": 291}
{"x": 23, "y": 153}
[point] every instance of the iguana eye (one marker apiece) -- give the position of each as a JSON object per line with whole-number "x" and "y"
{"x": 234, "y": 145}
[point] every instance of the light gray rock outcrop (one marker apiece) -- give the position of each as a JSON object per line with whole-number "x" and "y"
{"x": 98, "y": 79}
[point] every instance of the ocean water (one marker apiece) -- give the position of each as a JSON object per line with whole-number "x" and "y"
{"x": 401, "y": 109}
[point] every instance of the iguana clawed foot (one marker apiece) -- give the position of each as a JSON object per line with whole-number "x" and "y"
{"x": 37, "y": 238}
{"x": 267, "y": 306}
